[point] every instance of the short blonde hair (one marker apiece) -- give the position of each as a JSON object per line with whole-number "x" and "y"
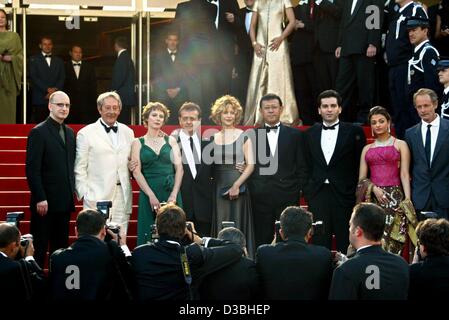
{"x": 220, "y": 106}
{"x": 110, "y": 94}
{"x": 151, "y": 106}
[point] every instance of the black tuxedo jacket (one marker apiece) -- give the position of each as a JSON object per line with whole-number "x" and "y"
{"x": 43, "y": 77}
{"x": 97, "y": 263}
{"x": 354, "y": 37}
{"x": 238, "y": 281}
{"x": 429, "y": 279}
{"x": 158, "y": 270}
{"x": 433, "y": 180}
{"x": 123, "y": 79}
{"x": 327, "y": 24}
{"x": 278, "y": 179}
{"x": 50, "y": 166}
{"x": 246, "y": 51}
{"x": 302, "y": 40}
{"x": 343, "y": 168}
{"x": 168, "y": 74}
{"x": 294, "y": 270}
{"x": 226, "y": 32}
{"x": 83, "y": 90}
{"x": 350, "y": 280}
{"x": 197, "y": 193}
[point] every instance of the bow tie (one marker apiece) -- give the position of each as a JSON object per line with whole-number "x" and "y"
{"x": 173, "y": 53}
{"x": 77, "y": 64}
{"x": 332, "y": 127}
{"x": 248, "y": 9}
{"x": 108, "y": 129}
{"x": 274, "y": 128}
{"x": 47, "y": 56}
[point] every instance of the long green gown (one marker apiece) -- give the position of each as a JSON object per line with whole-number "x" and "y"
{"x": 10, "y": 75}
{"x": 159, "y": 173}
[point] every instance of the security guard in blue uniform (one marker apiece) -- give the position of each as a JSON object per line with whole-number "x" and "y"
{"x": 422, "y": 67}
{"x": 443, "y": 75}
{"x": 398, "y": 51}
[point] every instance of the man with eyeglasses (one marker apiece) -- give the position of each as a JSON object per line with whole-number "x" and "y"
{"x": 101, "y": 165}
{"x": 50, "y": 161}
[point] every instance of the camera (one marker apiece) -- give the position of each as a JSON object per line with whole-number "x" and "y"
{"x": 154, "y": 235}
{"x": 277, "y": 227}
{"x": 25, "y": 239}
{"x": 13, "y": 218}
{"x": 104, "y": 206}
{"x": 227, "y": 224}
{"x": 113, "y": 226}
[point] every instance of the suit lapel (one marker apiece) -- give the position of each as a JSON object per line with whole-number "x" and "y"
{"x": 316, "y": 144}
{"x": 343, "y": 133}
{"x": 419, "y": 143}
{"x": 102, "y": 133}
{"x": 55, "y": 133}
{"x": 357, "y": 7}
{"x": 442, "y": 135}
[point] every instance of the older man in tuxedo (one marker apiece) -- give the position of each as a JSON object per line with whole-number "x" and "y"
{"x": 101, "y": 166}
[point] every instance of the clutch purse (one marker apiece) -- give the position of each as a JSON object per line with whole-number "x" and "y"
{"x": 224, "y": 191}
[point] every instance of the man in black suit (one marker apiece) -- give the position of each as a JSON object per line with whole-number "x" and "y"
{"x": 309, "y": 267}
{"x": 168, "y": 76}
{"x": 81, "y": 86}
{"x": 195, "y": 25}
{"x": 197, "y": 185}
{"x": 333, "y": 157}
{"x": 280, "y": 171}
{"x": 443, "y": 76}
{"x": 327, "y": 24}
{"x": 158, "y": 267}
{"x": 372, "y": 273}
{"x": 105, "y": 277}
{"x": 21, "y": 279}
{"x": 358, "y": 44}
{"x": 50, "y": 162}
{"x": 47, "y": 76}
{"x": 429, "y": 145}
{"x": 429, "y": 276}
{"x": 238, "y": 281}
{"x": 123, "y": 79}
{"x": 301, "y": 57}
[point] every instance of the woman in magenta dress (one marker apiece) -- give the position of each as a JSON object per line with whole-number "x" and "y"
{"x": 384, "y": 171}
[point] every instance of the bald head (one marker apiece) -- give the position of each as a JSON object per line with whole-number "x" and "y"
{"x": 59, "y": 106}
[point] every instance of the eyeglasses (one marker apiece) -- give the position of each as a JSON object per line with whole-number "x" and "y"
{"x": 62, "y": 105}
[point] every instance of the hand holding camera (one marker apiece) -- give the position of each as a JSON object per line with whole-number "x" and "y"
{"x": 26, "y": 246}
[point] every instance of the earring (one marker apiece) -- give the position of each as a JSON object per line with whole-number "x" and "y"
{"x": 389, "y": 130}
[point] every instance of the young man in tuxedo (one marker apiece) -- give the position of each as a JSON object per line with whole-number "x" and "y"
{"x": 101, "y": 166}
{"x": 333, "y": 155}
{"x": 49, "y": 169}
{"x": 81, "y": 86}
{"x": 280, "y": 171}
{"x": 372, "y": 273}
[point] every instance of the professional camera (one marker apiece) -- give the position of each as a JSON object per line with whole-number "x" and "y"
{"x": 104, "y": 206}
{"x": 25, "y": 239}
{"x": 227, "y": 224}
{"x": 113, "y": 226}
{"x": 14, "y": 218}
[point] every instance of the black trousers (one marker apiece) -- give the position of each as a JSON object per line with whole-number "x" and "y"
{"x": 356, "y": 74}
{"x": 432, "y": 205}
{"x": 306, "y": 92}
{"x": 326, "y": 68}
{"x": 50, "y": 232}
{"x": 325, "y": 206}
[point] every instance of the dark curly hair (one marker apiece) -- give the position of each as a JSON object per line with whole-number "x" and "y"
{"x": 433, "y": 234}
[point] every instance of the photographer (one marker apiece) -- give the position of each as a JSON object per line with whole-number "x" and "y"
{"x": 309, "y": 267}
{"x": 91, "y": 269}
{"x": 159, "y": 272}
{"x": 20, "y": 279}
{"x": 429, "y": 275}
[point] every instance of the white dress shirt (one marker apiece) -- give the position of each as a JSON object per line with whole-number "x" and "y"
{"x": 2, "y": 253}
{"x": 433, "y": 132}
{"x": 217, "y": 3}
{"x": 185, "y": 143}
{"x": 120, "y": 52}
{"x": 328, "y": 141}
{"x": 354, "y": 3}
{"x": 48, "y": 59}
{"x": 248, "y": 18}
{"x": 112, "y": 135}
{"x": 173, "y": 57}
{"x": 77, "y": 68}
{"x": 273, "y": 137}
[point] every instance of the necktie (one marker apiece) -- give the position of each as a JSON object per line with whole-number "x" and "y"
{"x": 195, "y": 154}
{"x": 427, "y": 145}
{"x": 274, "y": 128}
{"x": 108, "y": 129}
{"x": 332, "y": 127}
{"x": 61, "y": 133}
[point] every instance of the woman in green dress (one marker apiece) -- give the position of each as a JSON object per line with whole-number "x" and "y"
{"x": 159, "y": 168}
{"x": 11, "y": 63}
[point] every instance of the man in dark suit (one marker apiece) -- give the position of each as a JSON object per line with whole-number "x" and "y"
{"x": 358, "y": 44}
{"x": 47, "y": 76}
{"x": 429, "y": 145}
{"x": 301, "y": 57}
{"x": 50, "y": 162}
{"x": 195, "y": 25}
{"x": 81, "y": 86}
{"x": 372, "y": 273}
{"x": 158, "y": 266}
{"x": 333, "y": 157}
{"x": 123, "y": 79}
{"x": 443, "y": 76}
{"x": 309, "y": 267}
{"x": 238, "y": 281}
{"x": 22, "y": 279}
{"x": 280, "y": 171}
{"x": 429, "y": 276}
{"x": 106, "y": 277}
{"x": 197, "y": 185}
{"x": 327, "y": 24}
{"x": 168, "y": 76}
